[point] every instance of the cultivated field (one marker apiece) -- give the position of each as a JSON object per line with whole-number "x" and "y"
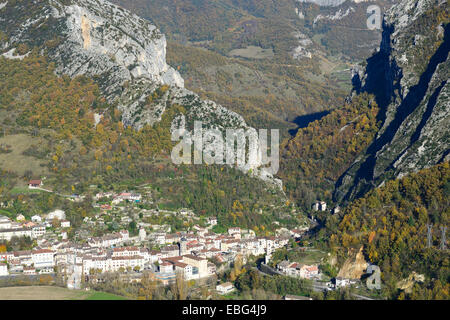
{"x": 252, "y": 52}
{"x": 53, "y": 293}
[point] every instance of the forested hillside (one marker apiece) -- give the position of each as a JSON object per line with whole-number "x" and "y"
{"x": 263, "y": 59}
{"x": 231, "y": 24}
{"x": 319, "y": 154}
{"x": 266, "y": 94}
{"x": 48, "y": 130}
{"x": 390, "y": 222}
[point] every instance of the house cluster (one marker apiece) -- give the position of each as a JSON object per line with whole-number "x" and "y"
{"x": 340, "y": 282}
{"x": 322, "y": 206}
{"x": 34, "y": 229}
{"x": 295, "y": 269}
{"x": 118, "y": 198}
{"x": 28, "y": 262}
{"x": 189, "y": 253}
{"x": 204, "y": 242}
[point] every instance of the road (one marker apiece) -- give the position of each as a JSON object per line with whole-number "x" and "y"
{"x": 316, "y": 286}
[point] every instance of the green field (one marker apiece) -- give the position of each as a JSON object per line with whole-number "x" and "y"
{"x": 53, "y": 293}
{"x": 104, "y": 296}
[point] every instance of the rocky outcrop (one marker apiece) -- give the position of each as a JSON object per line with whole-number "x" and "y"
{"x": 92, "y": 38}
{"x": 409, "y": 78}
{"x": 355, "y": 265}
{"x": 123, "y": 53}
{"x": 408, "y": 283}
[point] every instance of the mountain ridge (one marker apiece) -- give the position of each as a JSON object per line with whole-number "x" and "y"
{"x": 413, "y": 98}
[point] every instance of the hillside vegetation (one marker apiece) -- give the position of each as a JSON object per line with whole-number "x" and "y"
{"x": 56, "y": 116}
{"x": 391, "y": 223}
{"x": 319, "y": 154}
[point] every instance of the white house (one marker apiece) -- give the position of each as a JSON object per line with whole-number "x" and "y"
{"x": 225, "y": 288}
{"x": 212, "y": 221}
{"x": 43, "y": 258}
{"x": 142, "y": 234}
{"x": 233, "y": 231}
{"x": 340, "y": 282}
{"x": 185, "y": 269}
{"x": 165, "y": 267}
{"x": 58, "y": 214}
{"x": 3, "y": 269}
{"x": 36, "y": 218}
{"x": 5, "y": 223}
{"x": 8, "y": 234}
{"x": 315, "y": 206}
{"x": 65, "y": 224}
{"x": 38, "y": 231}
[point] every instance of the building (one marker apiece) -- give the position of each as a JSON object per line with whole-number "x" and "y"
{"x": 29, "y": 270}
{"x": 38, "y": 231}
{"x": 340, "y": 282}
{"x": 165, "y": 267}
{"x": 322, "y": 206}
{"x": 9, "y": 233}
{"x": 235, "y": 232}
{"x": 126, "y": 262}
{"x": 43, "y": 258}
{"x": 57, "y": 214}
{"x": 170, "y": 251}
{"x": 126, "y": 252}
{"x": 211, "y": 268}
{"x": 296, "y": 269}
{"x": 36, "y": 219}
{"x": 200, "y": 263}
{"x": 309, "y": 272}
{"x": 212, "y": 221}
{"x": 3, "y": 269}
{"x": 35, "y": 184}
{"x": 142, "y": 234}
{"x": 185, "y": 269}
{"x": 225, "y": 288}
{"x": 5, "y": 223}
{"x": 65, "y": 224}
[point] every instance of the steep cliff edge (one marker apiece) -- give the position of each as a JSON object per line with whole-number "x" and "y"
{"x": 409, "y": 78}
{"x": 123, "y": 53}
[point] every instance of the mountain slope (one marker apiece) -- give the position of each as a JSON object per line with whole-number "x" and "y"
{"x": 390, "y": 223}
{"x": 409, "y": 78}
{"x": 123, "y": 53}
{"x": 231, "y": 24}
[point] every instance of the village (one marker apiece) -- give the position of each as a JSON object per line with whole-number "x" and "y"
{"x": 195, "y": 253}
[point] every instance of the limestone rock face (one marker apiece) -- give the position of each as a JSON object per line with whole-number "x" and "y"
{"x": 123, "y": 53}
{"x": 93, "y": 38}
{"x": 409, "y": 78}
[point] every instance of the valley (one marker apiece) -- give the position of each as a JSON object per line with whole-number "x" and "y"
{"x": 95, "y": 99}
